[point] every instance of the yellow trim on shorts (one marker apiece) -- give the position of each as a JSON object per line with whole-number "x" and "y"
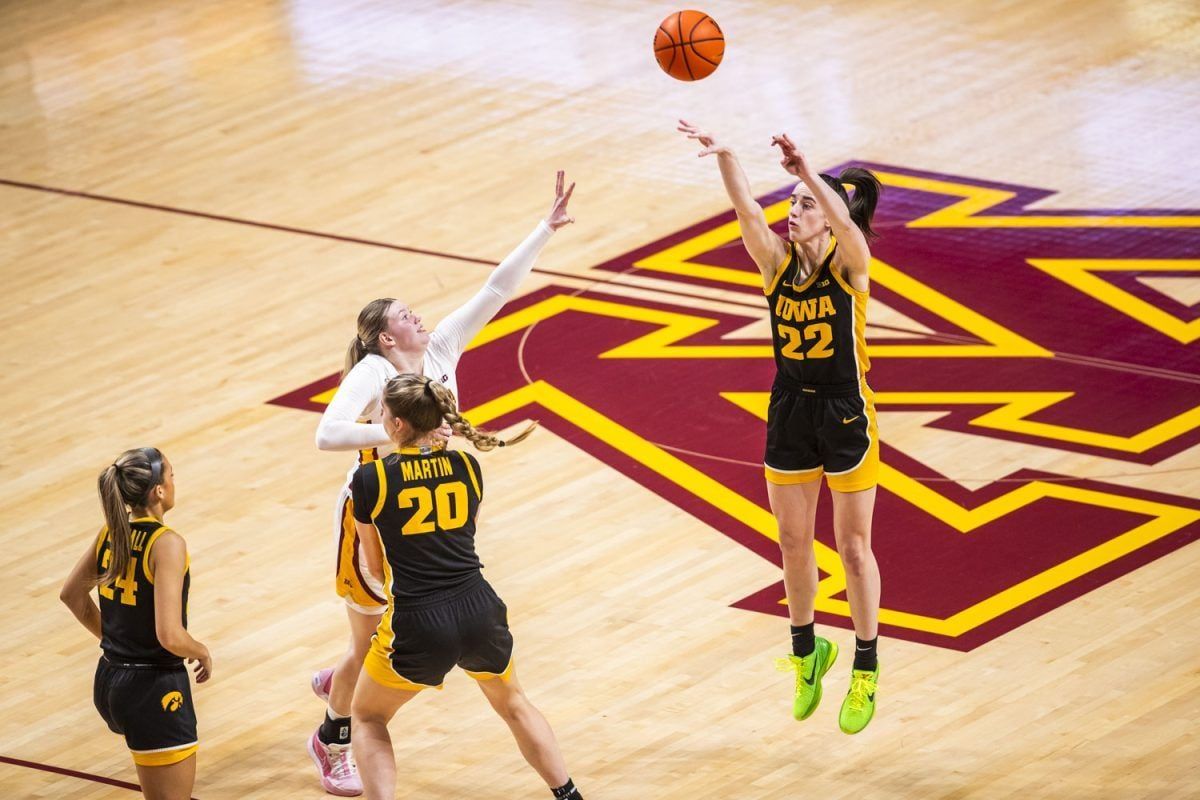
{"x": 866, "y": 474}
{"x": 862, "y": 477}
{"x": 164, "y": 758}
{"x": 487, "y": 676}
{"x": 346, "y": 582}
{"x": 379, "y": 667}
{"x": 850, "y": 487}
{"x": 790, "y": 478}
{"x": 382, "y": 488}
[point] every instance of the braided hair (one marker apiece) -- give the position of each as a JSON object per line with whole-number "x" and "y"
{"x": 426, "y": 404}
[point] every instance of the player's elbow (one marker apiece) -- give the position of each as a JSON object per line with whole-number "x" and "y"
{"x": 69, "y": 595}
{"x": 171, "y": 637}
{"x": 841, "y": 223}
{"x": 323, "y": 439}
{"x": 749, "y": 213}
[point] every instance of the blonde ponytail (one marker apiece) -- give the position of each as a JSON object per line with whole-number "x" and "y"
{"x": 116, "y": 519}
{"x": 124, "y": 484}
{"x": 482, "y": 440}
{"x": 372, "y": 321}
{"x": 425, "y": 405}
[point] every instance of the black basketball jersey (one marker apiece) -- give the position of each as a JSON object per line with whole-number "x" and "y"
{"x": 423, "y": 502}
{"x": 818, "y": 325}
{"x": 127, "y": 625}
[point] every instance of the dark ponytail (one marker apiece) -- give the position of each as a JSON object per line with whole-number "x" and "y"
{"x": 866, "y": 196}
{"x": 124, "y": 484}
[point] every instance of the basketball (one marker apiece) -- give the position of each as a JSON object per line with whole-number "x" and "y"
{"x": 689, "y": 45}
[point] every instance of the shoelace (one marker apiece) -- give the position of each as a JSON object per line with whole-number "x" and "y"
{"x": 860, "y": 687}
{"x": 341, "y": 762}
{"x": 793, "y": 664}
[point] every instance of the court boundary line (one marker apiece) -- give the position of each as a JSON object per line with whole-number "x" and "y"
{"x": 241, "y": 221}
{"x": 71, "y": 773}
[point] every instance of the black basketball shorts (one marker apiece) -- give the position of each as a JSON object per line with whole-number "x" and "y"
{"x": 822, "y": 430}
{"x": 151, "y": 706}
{"x": 417, "y": 644}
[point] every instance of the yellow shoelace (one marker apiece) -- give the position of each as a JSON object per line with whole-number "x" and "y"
{"x": 794, "y": 664}
{"x": 861, "y": 686}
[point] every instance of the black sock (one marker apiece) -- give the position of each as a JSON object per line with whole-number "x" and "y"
{"x": 334, "y": 730}
{"x": 803, "y": 641}
{"x": 865, "y": 656}
{"x": 567, "y": 791}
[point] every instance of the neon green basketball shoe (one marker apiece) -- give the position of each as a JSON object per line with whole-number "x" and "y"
{"x": 809, "y": 671}
{"x": 859, "y": 705}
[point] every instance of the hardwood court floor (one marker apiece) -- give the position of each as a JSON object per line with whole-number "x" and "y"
{"x": 394, "y": 148}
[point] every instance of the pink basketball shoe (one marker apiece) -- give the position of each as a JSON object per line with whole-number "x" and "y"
{"x": 339, "y": 773}
{"x": 321, "y": 681}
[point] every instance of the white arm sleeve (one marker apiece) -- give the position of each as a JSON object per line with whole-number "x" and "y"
{"x": 339, "y": 428}
{"x": 459, "y": 328}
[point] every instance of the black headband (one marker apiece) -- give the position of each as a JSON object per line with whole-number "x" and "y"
{"x": 153, "y": 455}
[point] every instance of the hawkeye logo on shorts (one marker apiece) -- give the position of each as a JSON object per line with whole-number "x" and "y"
{"x": 172, "y": 701}
{"x": 1007, "y": 487}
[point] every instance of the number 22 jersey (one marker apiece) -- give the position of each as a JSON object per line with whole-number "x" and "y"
{"x": 818, "y": 324}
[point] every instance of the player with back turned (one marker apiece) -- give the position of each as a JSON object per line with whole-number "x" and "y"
{"x": 821, "y": 418}
{"x": 140, "y": 569}
{"x": 416, "y": 512}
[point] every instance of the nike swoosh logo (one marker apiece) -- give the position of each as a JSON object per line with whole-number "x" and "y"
{"x": 848, "y": 421}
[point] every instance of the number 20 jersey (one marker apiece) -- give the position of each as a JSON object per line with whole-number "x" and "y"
{"x": 423, "y": 502}
{"x": 818, "y": 324}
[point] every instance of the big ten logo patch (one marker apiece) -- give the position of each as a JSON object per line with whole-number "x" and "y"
{"x": 1034, "y": 371}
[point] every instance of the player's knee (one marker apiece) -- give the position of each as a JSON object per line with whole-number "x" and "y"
{"x": 512, "y": 707}
{"x": 360, "y": 645}
{"x": 365, "y": 713}
{"x": 856, "y": 555}
{"x": 795, "y": 541}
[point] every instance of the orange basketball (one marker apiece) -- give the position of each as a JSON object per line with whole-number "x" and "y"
{"x": 689, "y": 45}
